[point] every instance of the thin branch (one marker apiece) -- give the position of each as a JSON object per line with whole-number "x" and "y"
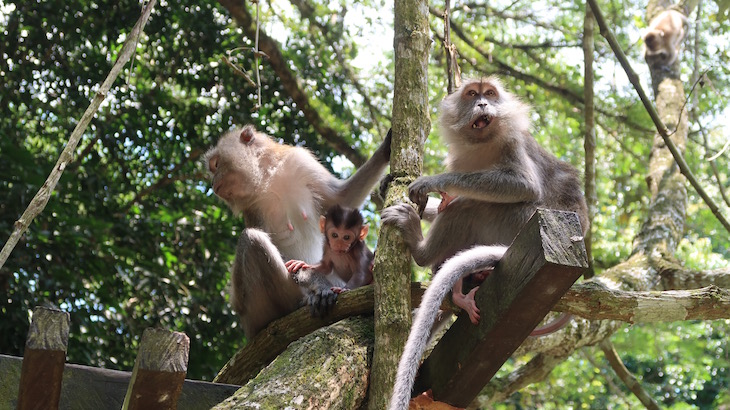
{"x": 289, "y": 81}
{"x": 713, "y": 166}
{"x": 589, "y": 142}
{"x": 307, "y": 10}
{"x": 661, "y": 128}
{"x": 569, "y": 95}
{"x": 623, "y": 373}
{"x": 41, "y": 198}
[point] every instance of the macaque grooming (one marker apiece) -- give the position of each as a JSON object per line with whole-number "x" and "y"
{"x": 279, "y": 190}
{"x": 497, "y": 176}
{"x": 663, "y": 38}
{"x": 346, "y": 263}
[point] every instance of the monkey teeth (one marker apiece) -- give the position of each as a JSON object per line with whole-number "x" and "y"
{"x": 481, "y": 122}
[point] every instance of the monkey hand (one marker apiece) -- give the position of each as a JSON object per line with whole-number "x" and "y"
{"x": 406, "y": 219}
{"x": 419, "y": 189}
{"x": 467, "y": 303}
{"x": 294, "y": 265}
{"x": 321, "y": 301}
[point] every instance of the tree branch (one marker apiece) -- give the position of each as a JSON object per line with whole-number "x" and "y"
{"x": 593, "y": 300}
{"x": 623, "y": 373}
{"x": 39, "y": 202}
{"x": 569, "y": 95}
{"x": 661, "y": 128}
{"x": 289, "y": 81}
{"x": 307, "y": 11}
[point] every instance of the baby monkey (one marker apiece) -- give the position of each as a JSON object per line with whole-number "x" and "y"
{"x": 346, "y": 263}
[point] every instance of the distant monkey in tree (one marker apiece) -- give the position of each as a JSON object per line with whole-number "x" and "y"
{"x": 497, "y": 177}
{"x": 346, "y": 263}
{"x": 663, "y": 38}
{"x": 278, "y": 189}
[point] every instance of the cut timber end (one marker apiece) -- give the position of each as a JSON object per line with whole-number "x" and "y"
{"x": 159, "y": 371}
{"x": 543, "y": 262}
{"x": 45, "y": 357}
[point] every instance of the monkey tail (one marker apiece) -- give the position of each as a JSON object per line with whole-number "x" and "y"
{"x": 463, "y": 263}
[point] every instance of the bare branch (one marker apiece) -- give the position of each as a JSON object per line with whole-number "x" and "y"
{"x": 289, "y": 81}
{"x": 623, "y": 373}
{"x": 661, "y": 128}
{"x": 39, "y": 202}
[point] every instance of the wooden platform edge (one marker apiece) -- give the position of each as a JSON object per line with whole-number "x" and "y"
{"x": 92, "y": 388}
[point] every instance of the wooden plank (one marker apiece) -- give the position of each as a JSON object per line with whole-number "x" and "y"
{"x": 45, "y": 355}
{"x": 92, "y": 388}
{"x": 545, "y": 259}
{"x": 159, "y": 372}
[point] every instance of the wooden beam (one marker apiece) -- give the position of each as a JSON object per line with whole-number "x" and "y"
{"x": 45, "y": 356}
{"x": 159, "y": 371}
{"x": 545, "y": 259}
{"x": 86, "y": 387}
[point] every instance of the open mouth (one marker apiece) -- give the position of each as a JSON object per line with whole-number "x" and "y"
{"x": 481, "y": 122}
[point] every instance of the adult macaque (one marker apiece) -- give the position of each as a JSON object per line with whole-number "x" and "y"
{"x": 346, "y": 263}
{"x": 663, "y": 38}
{"x": 497, "y": 177}
{"x": 278, "y": 188}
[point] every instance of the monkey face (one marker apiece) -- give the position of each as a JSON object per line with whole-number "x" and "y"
{"x": 235, "y": 167}
{"x": 479, "y": 102}
{"x": 340, "y": 240}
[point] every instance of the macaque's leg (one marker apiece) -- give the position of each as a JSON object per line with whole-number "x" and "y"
{"x": 261, "y": 289}
{"x": 466, "y": 302}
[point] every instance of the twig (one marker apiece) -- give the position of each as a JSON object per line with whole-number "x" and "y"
{"x": 41, "y": 198}
{"x": 589, "y": 142}
{"x": 661, "y": 128}
{"x": 623, "y": 373}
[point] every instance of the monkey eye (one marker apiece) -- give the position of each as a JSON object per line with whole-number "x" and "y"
{"x": 491, "y": 93}
{"x": 471, "y": 93}
{"x": 346, "y": 237}
{"x": 334, "y": 235}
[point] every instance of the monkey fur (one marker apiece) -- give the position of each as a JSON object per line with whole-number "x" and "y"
{"x": 497, "y": 176}
{"x": 663, "y": 38}
{"x": 347, "y": 262}
{"x": 279, "y": 190}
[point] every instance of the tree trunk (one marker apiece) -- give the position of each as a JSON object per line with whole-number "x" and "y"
{"x": 328, "y": 369}
{"x": 411, "y": 126}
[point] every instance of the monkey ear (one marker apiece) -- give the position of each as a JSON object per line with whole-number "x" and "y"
{"x": 364, "y": 232}
{"x": 322, "y": 222}
{"x": 247, "y": 134}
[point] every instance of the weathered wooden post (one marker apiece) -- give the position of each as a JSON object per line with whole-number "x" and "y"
{"x": 43, "y": 360}
{"x": 159, "y": 371}
{"x": 543, "y": 262}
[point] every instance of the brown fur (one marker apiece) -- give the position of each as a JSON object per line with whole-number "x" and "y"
{"x": 280, "y": 190}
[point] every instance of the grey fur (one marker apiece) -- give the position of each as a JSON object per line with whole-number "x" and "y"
{"x": 468, "y": 261}
{"x": 500, "y": 176}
